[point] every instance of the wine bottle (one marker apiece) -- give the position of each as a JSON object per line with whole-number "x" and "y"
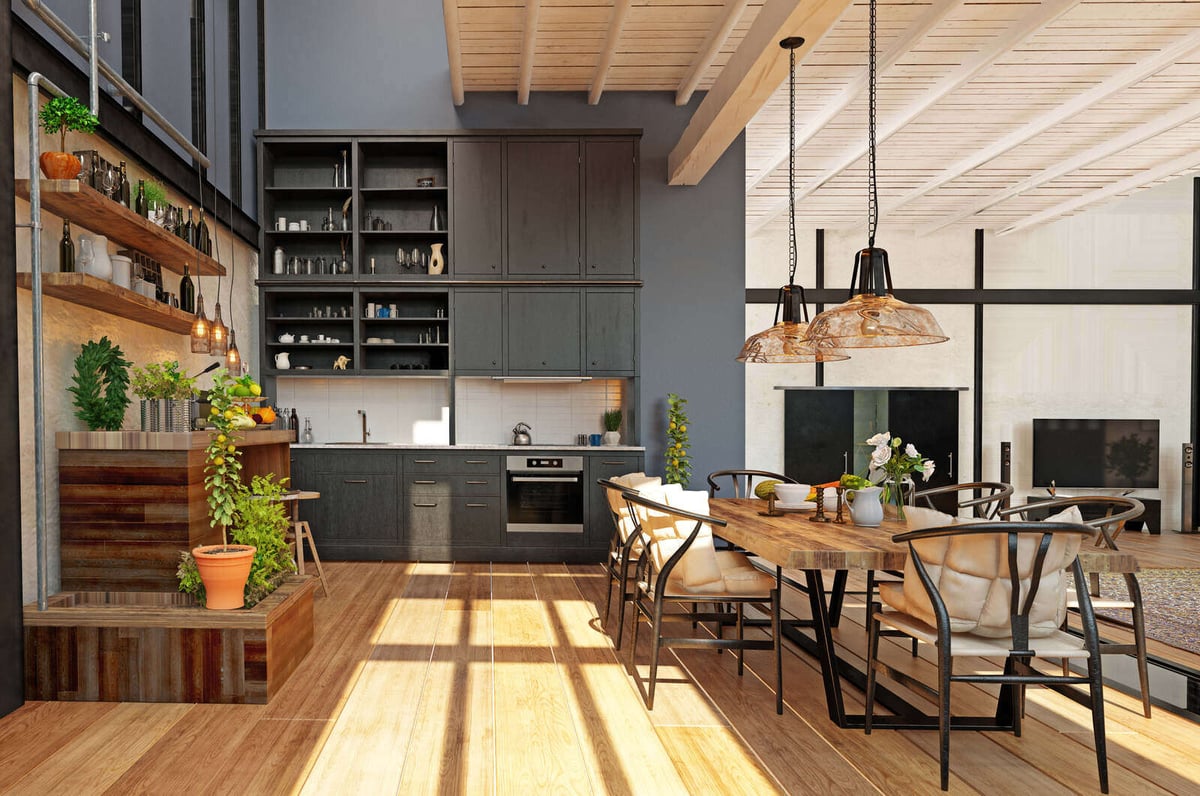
{"x": 203, "y": 238}
{"x": 187, "y": 292}
{"x": 294, "y": 421}
{"x": 124, "y": 185}
{"x": 139, "y": 202}
{"x": 189, "y": 229}
{"x": 66, "y": 250}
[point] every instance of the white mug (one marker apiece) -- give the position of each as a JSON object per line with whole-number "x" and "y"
{"x": 321, "y": 338}
{"x": 304, "y": 225}
{"x": 281, "y": 223}
{"x": 304, "y": 338}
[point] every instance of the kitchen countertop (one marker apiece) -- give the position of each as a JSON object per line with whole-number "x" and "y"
{"x": 470, "y": 447}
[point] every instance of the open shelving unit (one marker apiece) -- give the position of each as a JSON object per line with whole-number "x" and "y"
{"x": 99, "y": 294}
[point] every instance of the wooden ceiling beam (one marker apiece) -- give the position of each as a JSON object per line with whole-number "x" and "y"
{"x": 972, "y": 66}
{"x": 753, "y": 73}
{"x": 454, "y": 50}
{"x": 615, "y": 23}
{"x": 708, "y": 52}
{"x": 528, "y": 50}
{"x": 1170, "y": 168}
{"x": 1115, "y": 83}
{"x": 933, "y": 16}
{"x": 1112, "y": 146}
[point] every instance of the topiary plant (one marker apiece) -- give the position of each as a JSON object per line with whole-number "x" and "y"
{"x": 100, "y": 383}
{"x": 61, "y": 114}
{"x": 678, "y": 468}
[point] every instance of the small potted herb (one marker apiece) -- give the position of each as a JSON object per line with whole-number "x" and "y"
{"x": 612, "y": 427}
{"x": 166, "y": 397}
{"x": 59, "y": 115}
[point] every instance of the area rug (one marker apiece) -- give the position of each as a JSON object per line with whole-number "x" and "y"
{"x": 1170, "y": 601}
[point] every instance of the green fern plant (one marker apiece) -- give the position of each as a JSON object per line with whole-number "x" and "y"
{"x": 678, "y": 467}
{"x": 100, "y": 385}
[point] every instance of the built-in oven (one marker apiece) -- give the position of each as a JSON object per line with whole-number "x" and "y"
{"x": 545, "y": 494}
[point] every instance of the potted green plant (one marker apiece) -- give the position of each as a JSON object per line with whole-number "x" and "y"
{"x": 678, "y": 469}
{"x": 59, "y": 115}
{"x": 99, "y": 385}
{"x": 612, "y": 427}
{"x": 224, "y": 568}
{"x": 166, "y": 396}
{"x": 156, "y": 200}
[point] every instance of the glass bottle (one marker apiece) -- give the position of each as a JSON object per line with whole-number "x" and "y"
{"x": 187, "y": 292}
{"x": 124, "y": 185}
{"x": 66, "y": 250}
{"x": 189, "y": 229}
{"x": 139, "y": 203}
{"x": 203, "y": 238}
{"x": 308, "y": 435}
{"x": 294, "y": 421}
{"x": 436, "y": 222}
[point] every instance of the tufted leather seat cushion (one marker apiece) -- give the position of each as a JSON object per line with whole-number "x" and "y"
{"x": 971, "y": 574}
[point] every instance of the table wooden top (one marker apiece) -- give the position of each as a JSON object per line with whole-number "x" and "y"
{"x": 792, "y": 541}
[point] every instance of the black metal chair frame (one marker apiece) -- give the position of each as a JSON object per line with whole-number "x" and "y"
{"x": 1018, "y": 672}
{"x": 617, "y": 563}
{"x": 651, "y": 596}
{"x": 1109, "y": 526}
{"x": 750, "y": 475}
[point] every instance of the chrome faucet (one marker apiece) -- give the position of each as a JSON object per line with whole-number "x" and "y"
{"x": 365, "y": 433}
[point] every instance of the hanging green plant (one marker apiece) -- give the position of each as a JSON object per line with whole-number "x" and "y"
{"x": 678, "y": 468}
{"x": 100, "y": 386}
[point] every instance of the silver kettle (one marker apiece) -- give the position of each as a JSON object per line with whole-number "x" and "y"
{"x": 521, "y": 435}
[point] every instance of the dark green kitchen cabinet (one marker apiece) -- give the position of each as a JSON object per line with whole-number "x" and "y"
{"x": 477, "y": 338}
{"x": 543, "y": 331}
{"x": 543, "y": 207}
{"x": 610, "y": 331}
{"x": 358, "y": 511}
{"x": 478, "y": 210}
{"x": 598, "y": 524}
{"x": 610, "y": 208}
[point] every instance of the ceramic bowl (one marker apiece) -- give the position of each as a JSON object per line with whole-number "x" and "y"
{"x": 792, "y": 493}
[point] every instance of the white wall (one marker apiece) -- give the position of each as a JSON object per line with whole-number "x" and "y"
{"x": 1039, "y": 361}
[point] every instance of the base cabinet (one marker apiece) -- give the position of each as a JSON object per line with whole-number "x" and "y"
{"x": 599, "y": 525}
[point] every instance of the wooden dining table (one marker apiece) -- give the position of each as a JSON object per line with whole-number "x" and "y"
{"x": 793, "y": 542}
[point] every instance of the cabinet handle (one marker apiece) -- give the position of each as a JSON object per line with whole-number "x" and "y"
{"x": 424, "y": 482}
{"x": 595, "y": 363}
{"x": 543, "y": 266}
{"x": 424, "y": 461}
{"x": 354, "y": 480}
{"x": 477, "y": 461}
{"x": 950, "y": 469}
{"x": 477, "y": 505}
{"x": 619, "y": 463}
{"x": 593, "y": 266}
{"x": 845, "y": 462}
{"x": 425, "y": 505}
{"x": 493, "y": 362}
{"x": 477, "y": 483}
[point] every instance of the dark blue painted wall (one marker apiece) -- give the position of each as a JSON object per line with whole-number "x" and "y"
{"x": 377, "y": 64}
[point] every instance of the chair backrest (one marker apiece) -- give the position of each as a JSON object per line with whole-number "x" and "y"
{"x": 613, "y": 490}
{"x": 992, "y": 578}
{"x": 984, "y": 498}
{"x": 743, "y": 481}
{"x": 1109, "y": 513}
{"x": 679, "y": 538}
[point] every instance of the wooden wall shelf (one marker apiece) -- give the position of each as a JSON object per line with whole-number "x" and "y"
{"x": 81, "y": 204}
{"x": 90, "y": 291}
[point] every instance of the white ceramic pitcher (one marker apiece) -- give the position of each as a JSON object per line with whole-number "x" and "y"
{"x": 283, "y": 361}
{"x": 865, "y": 507}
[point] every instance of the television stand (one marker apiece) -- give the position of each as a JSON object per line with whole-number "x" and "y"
{"x": 1151, "y": 520}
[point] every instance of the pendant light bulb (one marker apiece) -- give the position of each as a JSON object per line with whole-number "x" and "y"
{"x": 200, "y": 329}
{"x": 233, "y": 359}
{"x": 218, "y": 340}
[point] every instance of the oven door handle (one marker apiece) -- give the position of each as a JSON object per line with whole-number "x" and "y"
{"x": 531, "y": 479}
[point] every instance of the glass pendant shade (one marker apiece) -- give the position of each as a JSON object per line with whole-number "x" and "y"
{"x": 218, "y": 340}
{"x": 232, "y": 358}
{"x": 200, "y": 329}
{"x": 786, "y": 342}
{"x": 874, "y": 318}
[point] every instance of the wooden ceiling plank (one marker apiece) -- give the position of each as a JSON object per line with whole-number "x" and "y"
{"x": 1180, "y": 116}
{"x": 932, "y": 17}
{"x": 1175, "y": 166}
{"x": 454, "y": 51}
{"x": 1118, "y": 82}
{"x": 616, "y": 23}
{"x": 747, "y": 82}
{"x": 1024, "y": 27}
{"x": 712, "y": 46}
{"x": 528, "y": 50}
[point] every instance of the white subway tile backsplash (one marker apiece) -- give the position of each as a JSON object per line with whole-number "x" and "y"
{"x": 398, "y": 410}
{"x": 487, "y": 410}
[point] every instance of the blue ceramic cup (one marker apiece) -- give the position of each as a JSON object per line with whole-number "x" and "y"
{"x": 595, "y": 439}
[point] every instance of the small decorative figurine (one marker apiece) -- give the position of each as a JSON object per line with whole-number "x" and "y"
{"x": 341, "y": 362}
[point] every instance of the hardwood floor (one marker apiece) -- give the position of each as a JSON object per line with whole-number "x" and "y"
{"x": 477, "y": 678}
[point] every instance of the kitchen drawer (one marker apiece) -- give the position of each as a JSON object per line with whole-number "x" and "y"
{"x": 417, "y": 463}
{"x": 453, "y": 485}
{"x": 438, "y": 521}
{"x": 612, "y": 465}
{"x": 377, "y": 462}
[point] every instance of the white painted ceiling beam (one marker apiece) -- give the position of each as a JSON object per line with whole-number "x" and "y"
{"x": 708, "y": 52}
{"x": 1127, "y": 77}
{"x": 1172, "y": 167}
{"x": 1112, "y": 146}
{"x": 1023, "y": 28}
{"x": 752, "y": 75}
{"x": 933, "y": 16}
{"x": 453, "y": 50}
{"x": 615, "y": 23}
{"x": 528, "y": 50}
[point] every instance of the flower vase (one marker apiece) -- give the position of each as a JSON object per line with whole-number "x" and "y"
{"x": 893, "y": 497}
{"x": 437, "y": 261}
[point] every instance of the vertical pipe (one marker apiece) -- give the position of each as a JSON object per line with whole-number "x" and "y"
{"x": 93, "y": 61}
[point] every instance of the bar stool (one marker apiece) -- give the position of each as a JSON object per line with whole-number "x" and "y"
{"x": 302, "y": 532}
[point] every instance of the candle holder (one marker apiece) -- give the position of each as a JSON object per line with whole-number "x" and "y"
{"x": 840, "y": 518}
{"x": 820, "y": 514}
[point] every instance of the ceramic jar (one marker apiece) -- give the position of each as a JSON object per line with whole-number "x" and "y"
{"x": 97, "y": 264}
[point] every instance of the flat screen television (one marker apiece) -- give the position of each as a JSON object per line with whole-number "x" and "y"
{"x": 1115, "y": 454}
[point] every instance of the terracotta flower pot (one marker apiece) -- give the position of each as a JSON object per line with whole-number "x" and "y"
{"x": 224, "y": 570}
{"x": 60, "y": 165}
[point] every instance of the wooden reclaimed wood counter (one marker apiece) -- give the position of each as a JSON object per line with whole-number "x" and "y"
{"x": 130, "y": 501}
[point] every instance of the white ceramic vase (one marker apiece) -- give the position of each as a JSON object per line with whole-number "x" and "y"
{"x": 612, "y": 437}
{"x": 100, "y": 265}
{"x": 437, "y": 263}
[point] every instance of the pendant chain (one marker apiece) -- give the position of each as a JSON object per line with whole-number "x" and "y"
{"x": 872, "y": 185}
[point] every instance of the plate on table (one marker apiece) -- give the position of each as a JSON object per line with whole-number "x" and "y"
{"x": 801, "y": 506}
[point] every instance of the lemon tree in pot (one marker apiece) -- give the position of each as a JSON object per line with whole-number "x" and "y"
{"x": 59, "y": 115}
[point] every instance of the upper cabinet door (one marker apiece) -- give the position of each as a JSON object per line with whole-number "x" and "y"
{"x": 610, "y": 208}
{"x": 478, "y": 212}
{"x": 543, "y": 208}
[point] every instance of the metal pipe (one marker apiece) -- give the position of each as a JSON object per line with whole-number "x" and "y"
{"x": 93, "y": 60}
{"x": 69, "y": 36}
{"x": 39, "y": 420}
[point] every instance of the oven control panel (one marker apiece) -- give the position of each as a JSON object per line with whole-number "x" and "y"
{"x": 526, "y": 463}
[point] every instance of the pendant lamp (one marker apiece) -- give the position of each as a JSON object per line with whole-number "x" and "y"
{"x": 200, "y": 328}
{"x": 218, "y": 336}
{"x": 785, "y": 341}
{"x": 233, "y": 359}
{"x": 873, "y": 317}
